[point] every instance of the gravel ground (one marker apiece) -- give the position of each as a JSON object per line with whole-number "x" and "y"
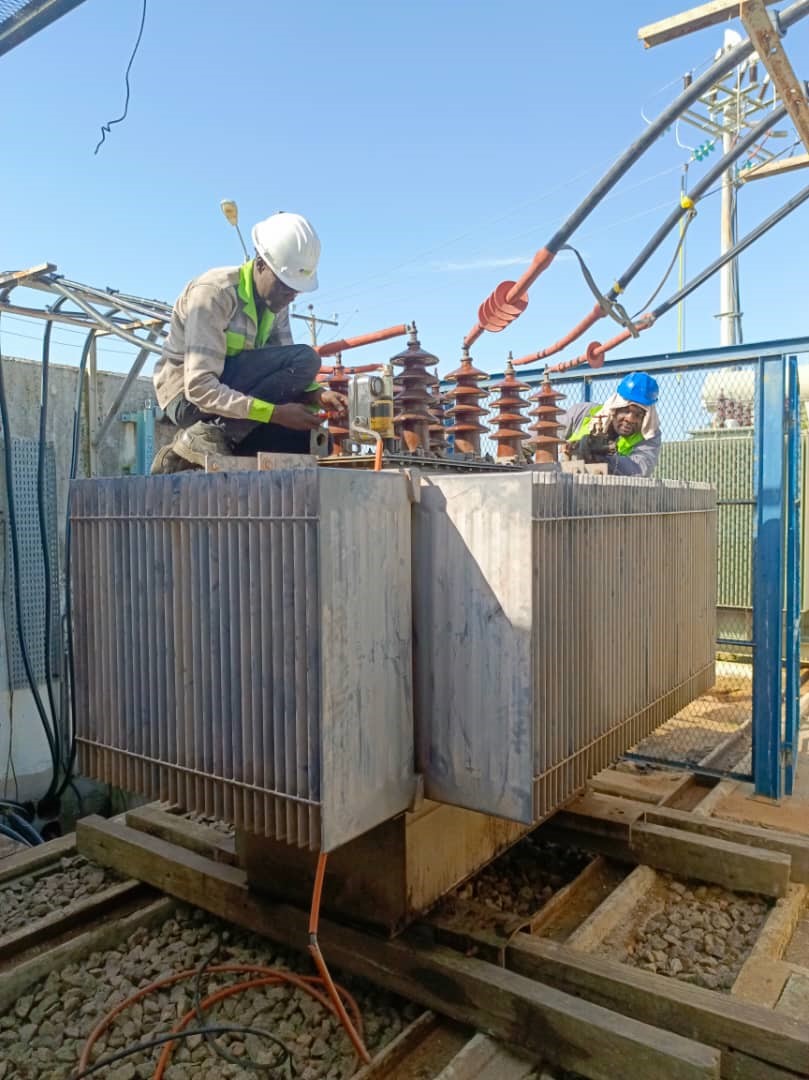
{"x": 25, "y": 899}
{"x": 702, "y": 935}
{"x": 42, "y": 1036}
{"x": 525, "y": 877}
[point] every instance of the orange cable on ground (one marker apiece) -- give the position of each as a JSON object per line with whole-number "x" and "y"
{"x": 320, "y": 963}
{"x": 273, "y": 977}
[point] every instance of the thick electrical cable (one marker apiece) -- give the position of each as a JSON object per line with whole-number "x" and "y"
{"x": 510, "y": 298}
{"x": 106, "y": 128}
{"x": 596, "y": 351}
{"x": 686, "y": 208}
{"x": 692, "y": 214}
{"x": 68, "y": 534}
{"x": 11, "y": 834}
{"x": 23, "y": 827}
{"x": 8, "y": 463}
{"x": 43, "y": 531}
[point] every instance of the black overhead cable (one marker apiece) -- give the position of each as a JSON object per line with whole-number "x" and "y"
{"x": 105, "y": 128}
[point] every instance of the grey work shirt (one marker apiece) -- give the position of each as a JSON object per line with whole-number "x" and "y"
{"x": 193, "y": 357}
{"x": 640, "y": 461}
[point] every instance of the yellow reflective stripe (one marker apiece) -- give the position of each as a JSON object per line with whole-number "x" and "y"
{"x": 626, "y": 445}
{"x": 267, "y": 319}
{"x": 260, "y": 410}
{"x": 584, "y": 426}
{"x": 248, "y": 299}
{"x": 234, "y": 343}
{"x": 246, "y": 290}
{"x": 623, "y": 446}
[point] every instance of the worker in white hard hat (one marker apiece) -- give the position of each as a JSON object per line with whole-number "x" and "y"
{"x": 230, "y": 377}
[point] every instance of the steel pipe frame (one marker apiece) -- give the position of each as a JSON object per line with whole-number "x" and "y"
{"x": 663, "y": 363}
{"x": 793, "y": 575}
{"x": 768, "y": 575}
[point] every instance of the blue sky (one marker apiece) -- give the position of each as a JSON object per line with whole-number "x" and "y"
{"x": 435, "y": 145}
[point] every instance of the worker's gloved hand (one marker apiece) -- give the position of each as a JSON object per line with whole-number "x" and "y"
{"x": 334, "y": 402}
{"x": 594, "y": 449}
{"x": 296, "y": 417}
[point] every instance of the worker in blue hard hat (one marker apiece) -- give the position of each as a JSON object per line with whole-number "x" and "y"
{"x": 623, "y": 433}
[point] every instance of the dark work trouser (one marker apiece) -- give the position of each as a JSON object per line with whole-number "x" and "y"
{"x": 276, "y": 373}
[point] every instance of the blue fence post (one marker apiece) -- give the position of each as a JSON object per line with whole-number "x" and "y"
{"x": 768, "y": 576}
{"x": 793, "y": 577}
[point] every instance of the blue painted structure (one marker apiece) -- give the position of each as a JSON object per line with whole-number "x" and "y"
{"x": 775, "y": 642}
{"x": 144, "y": 421}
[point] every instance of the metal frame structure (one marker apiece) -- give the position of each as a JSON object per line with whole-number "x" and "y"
{"x": 27, "y": 17}
{"x": 776, "y": 572}
{"x": 137, "y": 321}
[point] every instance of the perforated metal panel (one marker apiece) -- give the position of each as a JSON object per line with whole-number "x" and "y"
{"x": 24, "y": 455}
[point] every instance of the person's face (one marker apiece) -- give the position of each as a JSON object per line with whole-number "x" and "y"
{"x": 272, "y": 291}
{"x": 628, "y": 420}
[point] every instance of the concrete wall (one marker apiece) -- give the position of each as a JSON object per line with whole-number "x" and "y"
{"x": 23, "y": 748}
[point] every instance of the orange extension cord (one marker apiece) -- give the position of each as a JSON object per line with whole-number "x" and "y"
{"x": 333, "y": 1000}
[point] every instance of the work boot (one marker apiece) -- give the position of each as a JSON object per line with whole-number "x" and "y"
{"x": 167, "y": 461}
{"x": 201, "y": 440}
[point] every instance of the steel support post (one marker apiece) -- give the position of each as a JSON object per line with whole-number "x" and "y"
{"x": 768, "y": 575}
{"x": 792, "y": 688}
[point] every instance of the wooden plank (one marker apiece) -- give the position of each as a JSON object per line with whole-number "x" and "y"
{"x": 704, "y": 858}
{"x": 790, "y": 816}
{"x": 608, "y": 813}
{"x": 767, "y": 42}
{"x": 705, "y": 807}
{"x": 424, "y": 1047}
{"x": 616, "y": 909}
{"x": 794, "y": 1001}
{"x": 737, "y": 1066}
{"x": 570, "y": 1033}
{"x": 563, "y": 899}
{"x": 34, "y": 858}
{"x": 615, "y": 827}
{"x": 66, "y": 918}
{"x": 774, "y": 168}
{"x": 15, "y": 980}
{"x": 644, "y": 787}
{"x": 706, "y": 1015}
{"x": 759, "y": 980}
{"x": 751, "y": 835}
{"x": 484, "y": 1059}
{"x": 204, "y": 839}
{"x": 761, "y": 983}
{"x": 688, "y": 22}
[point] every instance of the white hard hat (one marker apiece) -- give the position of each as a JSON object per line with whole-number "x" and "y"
{"x": 291, "y": 248}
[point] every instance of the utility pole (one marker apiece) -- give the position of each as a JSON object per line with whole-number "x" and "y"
{"x": 729, "y": 314}
{"x": 314, "y": 322}
{"x": 725, "y": 112}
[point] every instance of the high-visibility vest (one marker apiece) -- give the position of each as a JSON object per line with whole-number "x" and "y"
{"x": 248, "y": 332}
{"x": 624, "y": 444}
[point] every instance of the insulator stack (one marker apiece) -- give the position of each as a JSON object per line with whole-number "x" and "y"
{"x": 340, "y": 434}
{"x": 466, "y": 412}
{"x": 546, "y": 426}
{"x": 413, "y": 399}
{"x": 438, "y": 430}
{"x": 509, "y": 420}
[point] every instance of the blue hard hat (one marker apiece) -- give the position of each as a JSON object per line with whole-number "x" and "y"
{"x": 639, "y": 388}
